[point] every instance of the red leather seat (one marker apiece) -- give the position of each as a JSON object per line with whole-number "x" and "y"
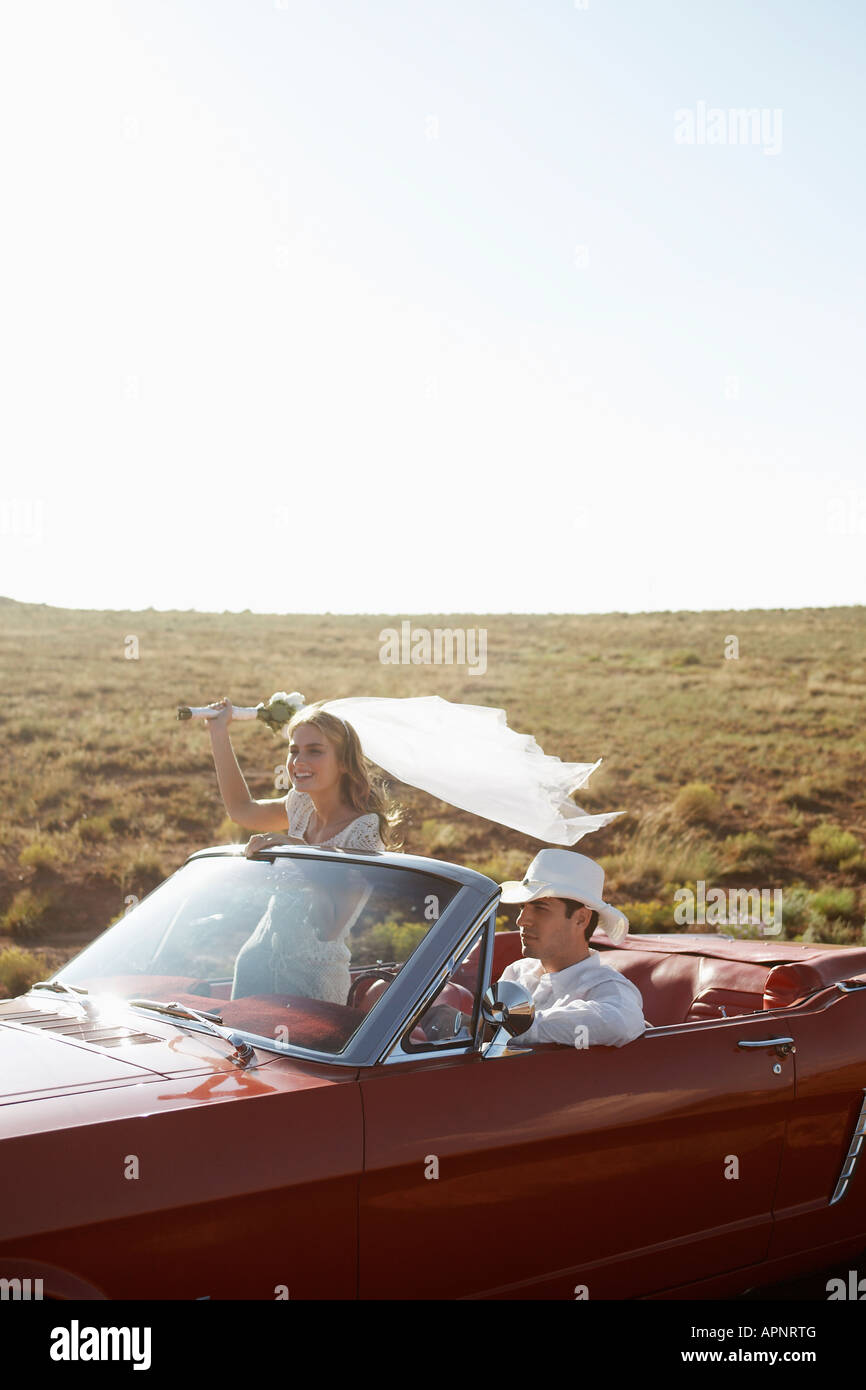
{"x": 680, "y": 988}
{"x": 675, "y": 987}
{"x": 795, "y": 980}
{"x": 370, "y": 988}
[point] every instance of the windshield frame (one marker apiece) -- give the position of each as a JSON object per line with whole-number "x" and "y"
{"x": 373, "y": 1038}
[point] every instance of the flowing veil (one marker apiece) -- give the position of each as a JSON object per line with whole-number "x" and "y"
{"x": 467, "y": 755}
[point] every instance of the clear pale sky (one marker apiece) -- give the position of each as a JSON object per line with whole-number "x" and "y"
{"x": 357, "y": 305}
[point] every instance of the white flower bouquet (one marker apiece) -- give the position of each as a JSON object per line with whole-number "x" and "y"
{"x": 275, "y": 712}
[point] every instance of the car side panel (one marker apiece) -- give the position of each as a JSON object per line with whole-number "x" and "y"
{"x": 610, "y": 1167}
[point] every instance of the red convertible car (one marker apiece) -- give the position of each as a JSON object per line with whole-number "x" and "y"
{"x": 176, "y": 1124}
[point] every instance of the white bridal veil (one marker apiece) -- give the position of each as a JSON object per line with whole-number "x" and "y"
{"x": 468, "y": 756}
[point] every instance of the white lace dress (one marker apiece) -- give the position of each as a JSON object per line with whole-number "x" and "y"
{"x": 285, "y": 954}
{"x": 361, "y": 833}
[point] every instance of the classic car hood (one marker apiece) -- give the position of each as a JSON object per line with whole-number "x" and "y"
{"x": 49, "y": 1047}
{"x": 123, "y": 1088}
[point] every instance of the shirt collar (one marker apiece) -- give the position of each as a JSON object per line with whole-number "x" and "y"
{"x": 566, "y": 971}
{"x": 569, "y": 971}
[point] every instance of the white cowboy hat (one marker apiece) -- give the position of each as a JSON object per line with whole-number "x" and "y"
{"x": 561, "y": 873}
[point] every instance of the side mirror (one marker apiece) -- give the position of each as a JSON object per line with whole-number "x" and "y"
{"x": 509, "y": 1009}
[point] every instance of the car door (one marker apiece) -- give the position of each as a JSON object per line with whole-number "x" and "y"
{"x": 558, "y": 1173}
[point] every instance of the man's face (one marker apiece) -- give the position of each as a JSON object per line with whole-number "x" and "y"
{"x": 546, "y": 932}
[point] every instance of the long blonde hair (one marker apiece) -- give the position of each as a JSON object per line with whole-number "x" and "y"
{"x": 359, "y": 784}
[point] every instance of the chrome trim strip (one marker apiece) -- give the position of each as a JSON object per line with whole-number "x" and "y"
{"x": 486, "y": 973}
{"x": 436, "y": 868}
{"x": 852, "y": 1158}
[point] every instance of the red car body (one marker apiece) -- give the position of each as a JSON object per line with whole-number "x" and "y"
{"x": 717, "y": 1152}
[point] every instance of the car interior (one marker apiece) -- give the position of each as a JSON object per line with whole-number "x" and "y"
{"x": 679, "y": 983}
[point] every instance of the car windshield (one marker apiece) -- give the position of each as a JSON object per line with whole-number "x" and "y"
{"x": 296, "y": 951}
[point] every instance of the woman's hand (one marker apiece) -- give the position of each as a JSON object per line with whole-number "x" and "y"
{"x": 271, "y": 837}
{"x": 224, "y": 718}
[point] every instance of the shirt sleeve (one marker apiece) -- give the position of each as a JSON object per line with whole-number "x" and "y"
{"x": 610, "y": 1019}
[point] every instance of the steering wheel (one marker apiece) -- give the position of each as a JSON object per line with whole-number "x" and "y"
{"x": 439, "y": 1027}
{"x": 375, "y": 973}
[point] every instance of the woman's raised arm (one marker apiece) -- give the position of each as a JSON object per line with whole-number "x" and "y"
{"x": 240, "y": 806}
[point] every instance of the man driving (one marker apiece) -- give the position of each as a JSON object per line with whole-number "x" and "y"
{"x": 578, "y": 999}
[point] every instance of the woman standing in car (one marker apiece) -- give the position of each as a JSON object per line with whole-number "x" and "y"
{"x": 334, "y": 803}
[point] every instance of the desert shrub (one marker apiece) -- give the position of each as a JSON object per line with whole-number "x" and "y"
{"x": 653, "y": 860}
{"x": 389, "y": 940}
{"x": 26, "y": 731}
{"x": 748, "y": 853}
{"x": 437, "y": 836}
{"x": 835, "y": 934}
{"x": 186, "y": 821}
{"x": 24, "y": 919}
{"x": 831, "y": 844}
{"x": 145, "y": 872}
{"x": 653, "y": 916}
{"x": 511, "y": 864}
{"x": 747, "y": 931}
{"x": 684, "y": 658}
{"x": 42, "y": 854}
{"x": 18, "y": 970}
{"x": 831, "y": 782}
{"x": 696, "y": 804}
{"x": 836, "y": 903}
{"x": 798, "y": 910}
{"x": 799, "y": 794}
{"x": 93, "y": 828}
{"x": 808, "y": 793}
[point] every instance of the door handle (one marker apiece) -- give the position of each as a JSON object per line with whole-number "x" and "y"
{"x": 783, "y": 1046}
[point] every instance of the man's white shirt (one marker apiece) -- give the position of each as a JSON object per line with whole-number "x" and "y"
{"x": 589, "y": 1003}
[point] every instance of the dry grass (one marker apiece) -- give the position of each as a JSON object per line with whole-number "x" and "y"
{"x": 103, "y": 791}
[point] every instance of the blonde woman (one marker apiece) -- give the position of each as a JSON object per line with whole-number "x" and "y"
{"x": 334, "y": 802}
